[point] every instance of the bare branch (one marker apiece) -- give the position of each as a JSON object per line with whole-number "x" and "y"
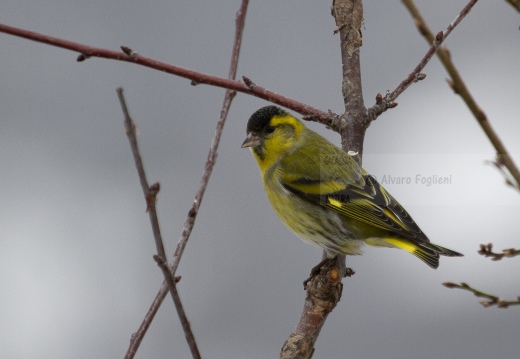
{"x": 388, "y": 101}
{"x": 212, "y": 155}
{"x": 352, "y": 126}
{"x": 306, "y": 110}
{"x": 324, "y": 290}
{"x": 128, "y": 55}
{"x": 486, "y": 250}
{"x": 150, "y": 194}
{"x": 348, "y": 15}
{"x": 491, "y": 299}
{"x": 458, "y": 85}
{"x": 193, "y": 211}
{"x": 323, "y": 294}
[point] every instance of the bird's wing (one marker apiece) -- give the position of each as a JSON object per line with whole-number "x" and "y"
{"x": 336, "y": 182}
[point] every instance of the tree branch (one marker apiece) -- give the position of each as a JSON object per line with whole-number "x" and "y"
{"x": 348, "y": 15}
{"x": 208, "y": 168}
{"x": 386, "y": 102}
{"x": 128, "y": 55}
{"x": 324, "y": 290}
{"x": 150, "y": 194}
{"x": 458, "y": 85}
{"x": 491, "y": 299}
{"x": 486, "y": 250}
{"x": 352, "y": 126}
{"x": 323, "y": 293}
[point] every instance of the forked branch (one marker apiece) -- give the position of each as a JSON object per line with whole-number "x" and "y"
{"x": 194, "y": 209}
{"x": 324, "y": 290}
{"x": 387, "y": 101}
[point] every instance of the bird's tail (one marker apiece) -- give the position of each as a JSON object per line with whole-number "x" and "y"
{"x": 427, "y": 252}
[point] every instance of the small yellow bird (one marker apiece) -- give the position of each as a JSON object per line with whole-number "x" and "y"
{"x": 324, "y": 197}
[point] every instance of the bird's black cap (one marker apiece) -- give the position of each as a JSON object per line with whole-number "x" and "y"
{"x": 261, "y": 118}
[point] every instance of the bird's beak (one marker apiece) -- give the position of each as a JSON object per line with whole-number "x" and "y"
{"x": 252, "y": 140}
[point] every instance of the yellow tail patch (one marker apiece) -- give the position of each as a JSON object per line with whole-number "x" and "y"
{"x": 399, "y": 243}
{"x": 428, "y": 255}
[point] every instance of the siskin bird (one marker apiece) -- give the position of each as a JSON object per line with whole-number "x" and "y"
{"x": 324, "y": 196}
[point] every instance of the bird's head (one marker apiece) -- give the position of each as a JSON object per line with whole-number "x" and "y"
{"x": 271, "y": 132}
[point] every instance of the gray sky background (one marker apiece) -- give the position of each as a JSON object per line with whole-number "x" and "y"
{"x": 76, "y": 267}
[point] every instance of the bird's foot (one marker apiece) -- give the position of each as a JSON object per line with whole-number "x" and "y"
{"x": 325, "y": 263}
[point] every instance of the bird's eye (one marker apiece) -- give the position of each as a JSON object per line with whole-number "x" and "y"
{"x": 269, "y": 129}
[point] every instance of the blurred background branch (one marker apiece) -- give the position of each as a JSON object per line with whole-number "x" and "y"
{"x": 491, "y": 299}
{"x": 487, "y": 251}
{"x": 459, "y": 87}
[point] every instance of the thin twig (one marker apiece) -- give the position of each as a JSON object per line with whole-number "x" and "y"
{"x": 150, "y": 194}
{"x": 458, "y": 85}
{"x": 309, "y": 112}
{"x": 491, "y": 299}
{"x": 138, "y": 336}
{"x": 128, "y": 55}
{"x": 388, "y": 101}
{"x": 212, "y": 155}
{"x": 486, "y": 250}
